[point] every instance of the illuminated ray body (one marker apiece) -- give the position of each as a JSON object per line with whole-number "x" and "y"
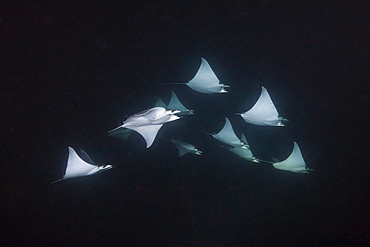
{"x": 294, "y": 163}
{"x": 206, "y": 81}
{"x": 147, "y": 123}
{"x": 227, "y": 136}
{"x": 77, "y": 167}
{"x": 263, "y": 112}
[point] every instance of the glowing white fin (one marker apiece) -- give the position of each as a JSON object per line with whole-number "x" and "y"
{"x": 148, "y": 132}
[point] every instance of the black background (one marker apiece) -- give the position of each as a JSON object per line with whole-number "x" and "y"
{"x": 72, "y": 71}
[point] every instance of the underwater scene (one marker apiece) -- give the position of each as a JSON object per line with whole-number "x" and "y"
{"x": 139, "y": 123}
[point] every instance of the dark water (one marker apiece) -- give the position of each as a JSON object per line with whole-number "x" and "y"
{"x": 73, "y": 72}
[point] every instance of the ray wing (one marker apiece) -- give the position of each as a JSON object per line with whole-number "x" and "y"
{"x": 204, "y": 76}
{"x": 206, "y": 81}
{"x": 263, "y": 112}
{"x": 86, "y": 157}
{"x": 182, "y": 150}
{"x": 227, "y": 135}
{"x": 244, "y": 139}
{"x": 148, "y": 132}
{"x": 175, "y": 103}
{"x": 76, "y": 167}
{"x": 294, "y": 163}
{"x": 122, "y": 133}
{"x": 160, "y": 103}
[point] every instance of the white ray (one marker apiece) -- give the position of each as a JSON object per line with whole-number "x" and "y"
{"x": 227, "y": 136}
{"x": 147, "y": 123}
{"x": 205, "y": 80}
{"x": 76, "y": 167}
{"x": 263, "y": 112}
{"x": 294, "y": 163}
